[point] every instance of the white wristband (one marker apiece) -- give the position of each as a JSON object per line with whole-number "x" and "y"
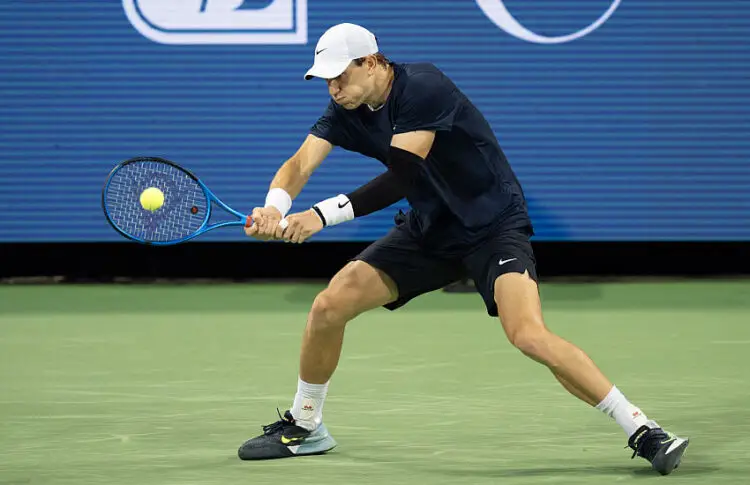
{"x": 280, "y": 199}
{"x": 335, "y": 210}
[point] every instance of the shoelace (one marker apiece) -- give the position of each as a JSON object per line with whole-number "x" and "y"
{"x": 272, "y": 428}
{"x": 647, "y": 446}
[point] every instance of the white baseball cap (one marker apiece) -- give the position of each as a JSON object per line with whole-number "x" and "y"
{"x": 337, "y": 47}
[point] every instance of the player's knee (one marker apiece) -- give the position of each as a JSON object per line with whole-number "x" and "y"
{"x": 335, "y": 305}
{"x": 531, "y": 339}
{"x": 327, "y": 311}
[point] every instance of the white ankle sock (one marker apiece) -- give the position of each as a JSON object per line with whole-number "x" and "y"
{"x": 616, "y": 406}
{"x": 307, "y": 409}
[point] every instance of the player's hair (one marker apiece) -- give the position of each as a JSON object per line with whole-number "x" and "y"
{"x": 379, "y": 58}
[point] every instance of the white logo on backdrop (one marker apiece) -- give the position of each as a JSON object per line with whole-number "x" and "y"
{"x": 501, "y": 16}
{"x": 220, "y": 21}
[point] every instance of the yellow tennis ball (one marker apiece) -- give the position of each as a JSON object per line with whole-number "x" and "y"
{"x": 152, "y": 199}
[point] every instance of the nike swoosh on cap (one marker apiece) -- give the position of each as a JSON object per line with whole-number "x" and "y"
{"x": 321, "y": 50}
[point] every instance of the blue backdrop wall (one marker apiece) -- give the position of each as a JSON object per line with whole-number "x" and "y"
{"x": 632, "y": 127}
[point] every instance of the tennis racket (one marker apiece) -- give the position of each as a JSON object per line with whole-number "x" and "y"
{"x": 185, "y": 209}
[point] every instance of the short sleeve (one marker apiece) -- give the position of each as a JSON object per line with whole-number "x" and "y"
{"x": 428, "y": 102}
{"x": 328, "y": 128}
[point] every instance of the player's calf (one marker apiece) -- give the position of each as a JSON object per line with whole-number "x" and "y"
{"x": 562, "y": 358}
{"x": 519, "y": 309}
{"x": 358, "y": 287}
{"x": 324, "y": 334}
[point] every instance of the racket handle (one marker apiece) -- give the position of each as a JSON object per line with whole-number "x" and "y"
{"x": 283, "y": 222}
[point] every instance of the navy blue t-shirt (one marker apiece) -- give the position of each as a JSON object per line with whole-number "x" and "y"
{"x": 467, "y": 189}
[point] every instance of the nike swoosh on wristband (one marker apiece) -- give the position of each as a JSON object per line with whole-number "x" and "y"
{"x": 341, "y": 206}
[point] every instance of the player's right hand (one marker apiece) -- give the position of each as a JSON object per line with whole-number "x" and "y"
{"x": 265, "y": 223}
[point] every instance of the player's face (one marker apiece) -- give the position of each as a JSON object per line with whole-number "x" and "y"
{"x": 352, "y": 87}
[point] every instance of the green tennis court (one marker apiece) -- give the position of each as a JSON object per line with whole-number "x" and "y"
{"x": 160, "y": 384}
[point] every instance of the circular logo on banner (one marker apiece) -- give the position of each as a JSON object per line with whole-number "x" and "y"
{"x": 496, "y": 11}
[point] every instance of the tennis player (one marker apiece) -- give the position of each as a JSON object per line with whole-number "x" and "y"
{"x": 468, "y": 218}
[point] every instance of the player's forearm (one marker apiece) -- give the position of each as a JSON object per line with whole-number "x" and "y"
{"x": 382, "y": 191}
{"x": 295, "y": 172}
{"x": 377, "y": 194}
{"x": 290, "y": 177}
{"x": 286, "y": 185}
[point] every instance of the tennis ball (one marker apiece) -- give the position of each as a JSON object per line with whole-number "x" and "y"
{"x": 152, "y": 199}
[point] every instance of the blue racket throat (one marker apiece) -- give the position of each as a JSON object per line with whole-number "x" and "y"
{"x": 184, "y": 214}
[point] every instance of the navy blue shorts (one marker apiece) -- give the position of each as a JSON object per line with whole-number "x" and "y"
{"x": 416, "y": 270}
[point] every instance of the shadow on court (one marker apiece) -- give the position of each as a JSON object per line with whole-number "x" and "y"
{"x": 461, "y": 470}
{"x": 566, "y": 472}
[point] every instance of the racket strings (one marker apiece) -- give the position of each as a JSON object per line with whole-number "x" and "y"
{"x": 185, "y": 207}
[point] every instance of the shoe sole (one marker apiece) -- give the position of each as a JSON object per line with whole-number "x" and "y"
{"x": 319, "y": 445}
{"x": 667, "y": 463}
{"x": 315, "y": 448}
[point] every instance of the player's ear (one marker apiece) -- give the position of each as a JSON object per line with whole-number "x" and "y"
{"x": 372, "y": 63}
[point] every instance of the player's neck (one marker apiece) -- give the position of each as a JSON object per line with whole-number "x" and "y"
{"x": 383, "y": 84}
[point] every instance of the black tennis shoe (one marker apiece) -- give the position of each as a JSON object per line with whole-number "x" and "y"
{"x": 663, "y": 449}
{"x": 284, "y": 439}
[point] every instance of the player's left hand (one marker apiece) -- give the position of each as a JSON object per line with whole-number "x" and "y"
{"x": 302, "y": 226}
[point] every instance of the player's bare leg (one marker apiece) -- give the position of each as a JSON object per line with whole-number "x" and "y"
{"x": 520, "y": 312}
{"x": 575, "y": 391}
{"x": 358, "y": 287}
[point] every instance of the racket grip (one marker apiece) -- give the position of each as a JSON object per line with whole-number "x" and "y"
{"x": 283, "y": 222}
